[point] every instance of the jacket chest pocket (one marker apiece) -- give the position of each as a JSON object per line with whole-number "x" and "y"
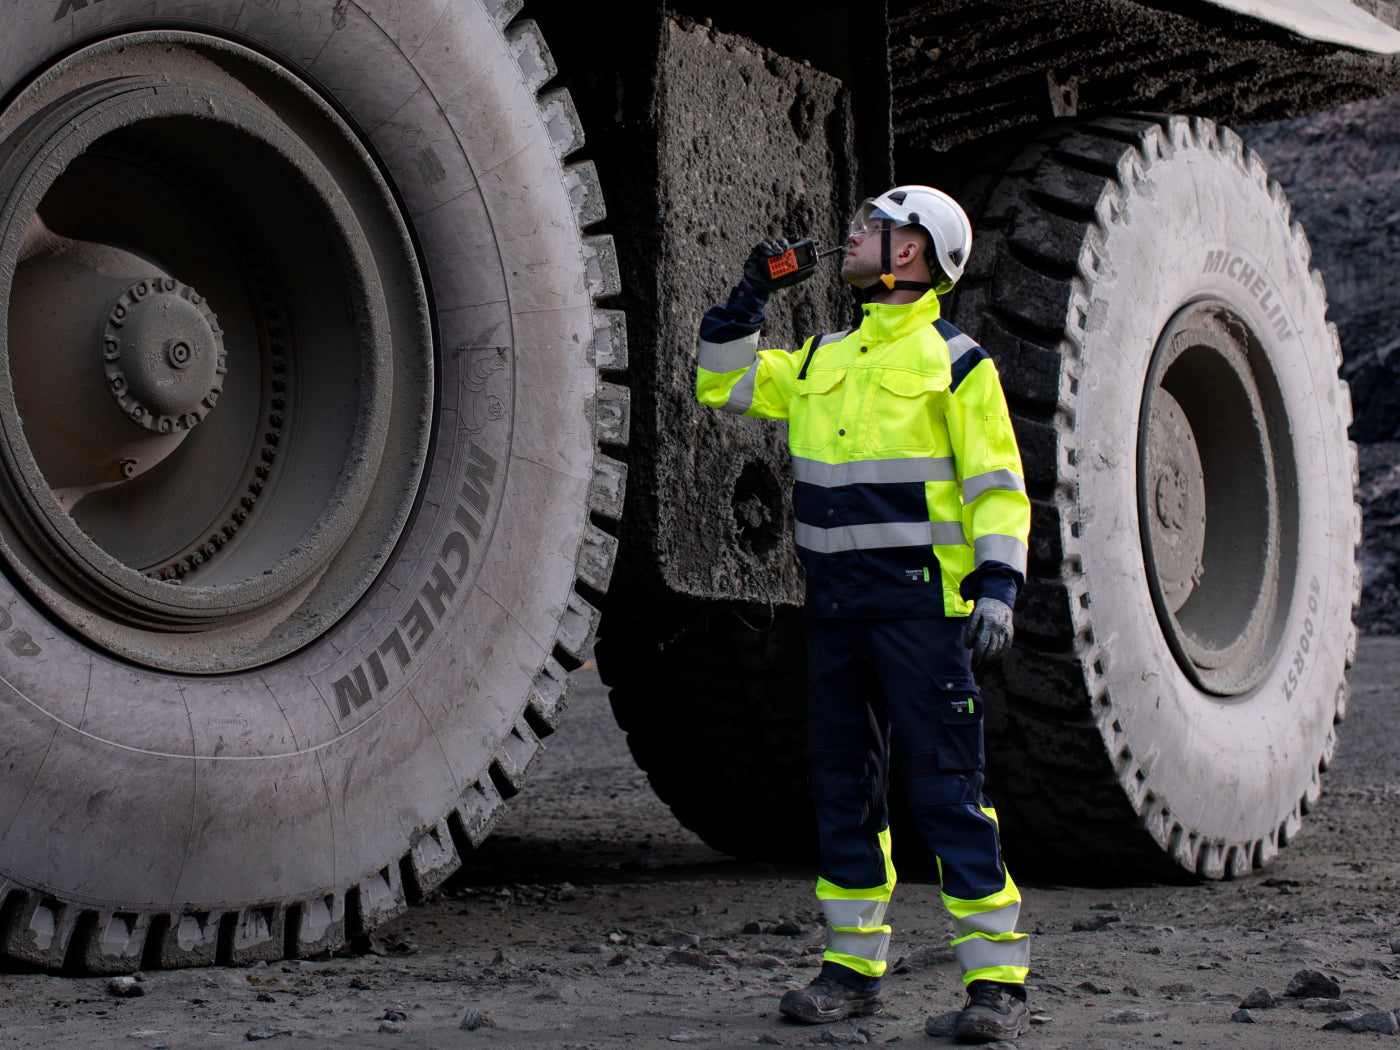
{"x": 906, "y": 411}
{"x": 814, "y": 415}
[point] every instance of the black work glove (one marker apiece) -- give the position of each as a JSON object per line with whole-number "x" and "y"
{"x": 988, "y": 632}
{"x": 756, "y": 274}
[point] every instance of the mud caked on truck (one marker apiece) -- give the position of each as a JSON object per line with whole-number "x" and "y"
{"x": 334, "y": 405}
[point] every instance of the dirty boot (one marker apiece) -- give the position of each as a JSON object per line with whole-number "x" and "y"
{"x": 826, "y": 1000}
{"x": 993, "y": 1011}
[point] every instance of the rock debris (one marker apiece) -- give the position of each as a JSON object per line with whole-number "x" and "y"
{"x": 1313, "y": 984}
{"x": 1382, "y": 1021}
{"x": 125, "y": 987}
{"x": 1259, "y": 999}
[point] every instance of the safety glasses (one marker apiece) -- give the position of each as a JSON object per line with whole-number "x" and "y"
{"x": 869, "y": 217}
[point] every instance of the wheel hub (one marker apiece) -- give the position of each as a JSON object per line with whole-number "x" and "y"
{"x": 163, "y": 355}
{"x": 132, "y": 458}
{"x": 84, "y": 340}
{"x": 1177, "y": 529}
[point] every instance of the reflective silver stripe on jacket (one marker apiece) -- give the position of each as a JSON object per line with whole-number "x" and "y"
{"x": 873, "y": 471}
{"x": 854, "y": 915}
{"x": 999, "y": 920}
{"x": 996, "y": 547}
{"x": 741, "y": 394}
{"x": 999, "y": 480}
{"x": 872, "y": 945}
{"x": 824, "y": 338}
{"x": 979, "y": 953}
{"x": 959, "y": 345}
{"x": 731, "y": 356}
{"x": 879, "y": 535}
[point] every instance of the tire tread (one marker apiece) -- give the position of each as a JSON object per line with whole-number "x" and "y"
{"x": 749, "y": 800}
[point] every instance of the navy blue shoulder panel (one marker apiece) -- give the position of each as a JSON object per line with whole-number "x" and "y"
{"x": 946, "y": 329}
{"x": 965, "y": 364}
{"x": 966, "y": 354}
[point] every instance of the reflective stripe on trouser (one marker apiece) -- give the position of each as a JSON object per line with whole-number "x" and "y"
{"x": 987, "y": 946}
{"x": 856, "y": 934}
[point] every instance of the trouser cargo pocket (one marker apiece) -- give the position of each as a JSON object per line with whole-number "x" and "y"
{"x": 959, "y": 744}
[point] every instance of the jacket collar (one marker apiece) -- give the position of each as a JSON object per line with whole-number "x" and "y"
{"x": 882, "y": 322}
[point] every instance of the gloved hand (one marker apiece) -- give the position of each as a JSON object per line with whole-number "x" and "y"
{"x": 756, "y": 274}
{"x": 988, "y": 632}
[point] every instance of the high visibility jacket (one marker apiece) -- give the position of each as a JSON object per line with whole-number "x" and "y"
{"x": 908, "y": 489}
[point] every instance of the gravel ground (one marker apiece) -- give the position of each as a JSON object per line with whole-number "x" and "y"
{"x": 592, "y": 919}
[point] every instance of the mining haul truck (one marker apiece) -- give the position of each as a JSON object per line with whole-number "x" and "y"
{"x": 335, "y": 403}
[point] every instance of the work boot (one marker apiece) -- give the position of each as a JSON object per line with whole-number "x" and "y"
{"x": 993, "y": 1012}
{"x": 826, "y": 1000}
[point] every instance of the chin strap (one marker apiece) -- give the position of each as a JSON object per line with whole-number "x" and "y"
{"x": 887, "y": 271}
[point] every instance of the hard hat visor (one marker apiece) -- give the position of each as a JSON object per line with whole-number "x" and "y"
{"x": 870, "y": 216}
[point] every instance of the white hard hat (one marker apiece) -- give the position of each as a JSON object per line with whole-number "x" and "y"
{"x": 932, "y": 209}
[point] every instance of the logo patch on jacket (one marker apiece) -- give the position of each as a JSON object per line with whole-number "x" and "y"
{"x": 917, "y": 575}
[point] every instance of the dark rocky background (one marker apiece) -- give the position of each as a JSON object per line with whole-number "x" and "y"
{"x": 1341, "y": 170}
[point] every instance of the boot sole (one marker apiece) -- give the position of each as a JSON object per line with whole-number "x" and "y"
{"x": 973, "y": 1033}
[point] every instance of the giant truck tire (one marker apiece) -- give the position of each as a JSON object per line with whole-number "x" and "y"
{"x": 1182, "y": 641}
{"x": 300, "y": 420}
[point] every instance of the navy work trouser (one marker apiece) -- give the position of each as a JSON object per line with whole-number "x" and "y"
{"x": 873, "y": 684}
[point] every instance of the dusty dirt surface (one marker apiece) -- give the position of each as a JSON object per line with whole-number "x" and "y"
{"x": 592, "y": 919}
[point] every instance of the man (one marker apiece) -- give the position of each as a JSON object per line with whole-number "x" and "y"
{"x": 912, "y": 522}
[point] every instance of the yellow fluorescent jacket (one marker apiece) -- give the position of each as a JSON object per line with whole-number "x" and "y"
{"x": 908, "y": 489}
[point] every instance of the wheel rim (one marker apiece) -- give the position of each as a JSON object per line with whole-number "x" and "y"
{"x": 1216, "y": 486}
{"x": 216, "y": 372}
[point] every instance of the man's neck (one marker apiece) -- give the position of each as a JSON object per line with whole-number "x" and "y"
{"x": 896, "y": 296}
